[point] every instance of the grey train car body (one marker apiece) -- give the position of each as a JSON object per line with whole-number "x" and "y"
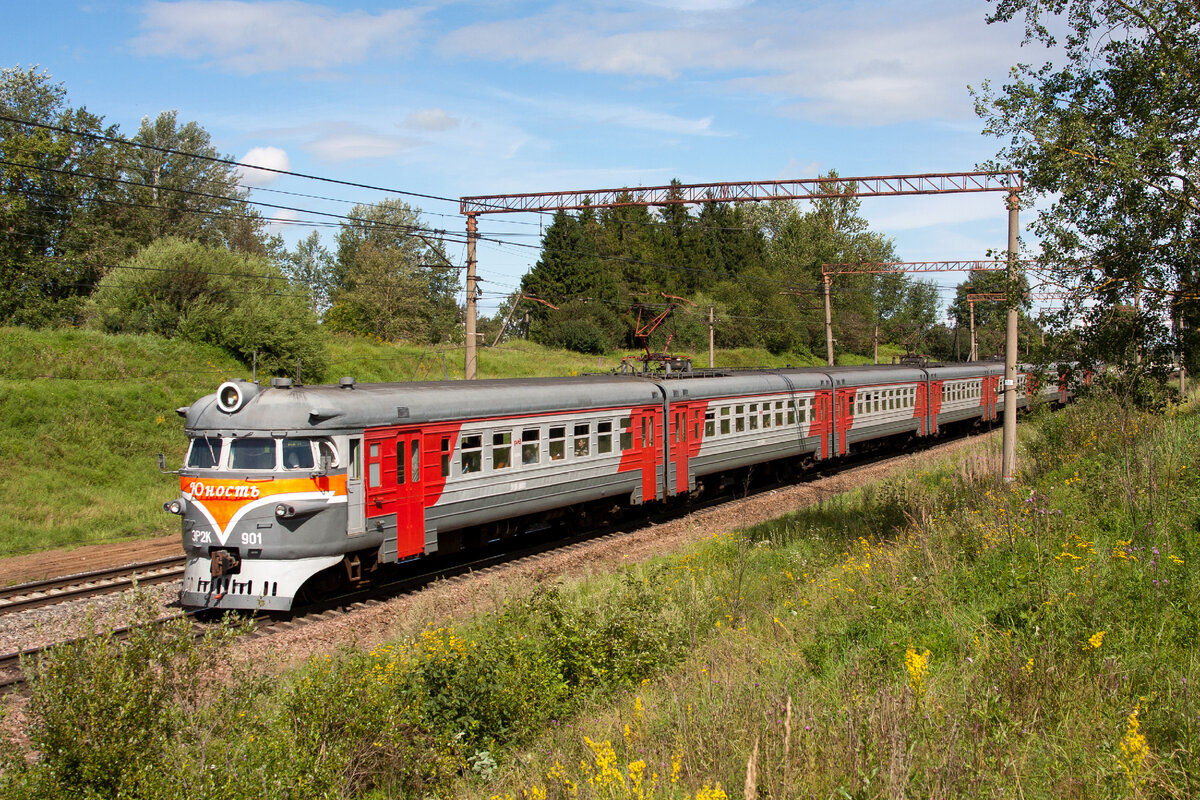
{"x": 283, "y": 482}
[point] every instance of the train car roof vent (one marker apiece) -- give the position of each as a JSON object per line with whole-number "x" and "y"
{"x": 347, "y": 382}
{"x": 281, "y": 383}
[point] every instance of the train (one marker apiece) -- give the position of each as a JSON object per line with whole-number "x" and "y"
{"x": 289, "y": 488}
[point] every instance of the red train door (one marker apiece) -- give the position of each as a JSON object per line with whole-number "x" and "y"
{"x": 686, "y": 423}
{"x": 935, "y": 404}
{"x": 380, "y": 476}
{"x": 677, "y": 436}
{"x": 649, "y": 455}
{"x": 410, "y": 492}
{"x": 844, "y": 418}
{"x": 823, "y": 420}
{"x": 988, "y": 392}
{"x": 394, "y": 487}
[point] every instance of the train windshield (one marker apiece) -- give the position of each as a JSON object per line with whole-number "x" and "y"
{"x": 297, "y": 454}
{"x": 252, "y": 453}
{"x": 205, "y": 453}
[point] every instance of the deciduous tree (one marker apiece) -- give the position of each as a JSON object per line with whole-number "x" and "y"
{"x": 1107, "y": 131}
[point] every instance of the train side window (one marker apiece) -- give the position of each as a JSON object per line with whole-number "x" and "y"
{"x": 355, "y": 459}
{"x": 445, "y": 456}
{"x": 325, "y": 449}
{"x": 415, "y": 459}
{"x": 740, "y": 413}
{"x": 766, "y": 422}
{"x": 725, "y": 420}
{"x": 778, "y": 413}
{"x": 710, "y": 422}
{"x": 502, "y": 450}
{"x": 603, "y": 437}
{"x": 558, "y": 449}
{"x": 531, "y": 446}
{"x": 374, "y": 477}
{"x": 696, "y": 424}
{"x": 647, "y": 431}
{"x": 582, "y": 440}
{"x": 401, "y": 463}
{"x": 791, "y": 417}
{"x": 803, "y": 411}
{"x": 626, "y": 433}
{"x": 754, "y": 416}
{"x": 472, "y": 453}
{"x": 205, "y": 453}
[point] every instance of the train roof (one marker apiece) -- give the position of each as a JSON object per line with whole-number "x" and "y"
{"x": 285, "y": 409}
{"x": 290, "y": 409}
{"x": 970, "y": 369}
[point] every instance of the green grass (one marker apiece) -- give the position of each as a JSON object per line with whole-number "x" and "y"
{"x": 940, "y": 634}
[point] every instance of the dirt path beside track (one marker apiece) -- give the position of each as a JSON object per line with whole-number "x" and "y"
{"x": 53, "y": 563}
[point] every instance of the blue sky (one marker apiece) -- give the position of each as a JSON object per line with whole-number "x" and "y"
{"x": 497, "y": 96}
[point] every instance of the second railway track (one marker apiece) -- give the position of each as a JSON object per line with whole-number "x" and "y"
{"x": 51, "y": 591}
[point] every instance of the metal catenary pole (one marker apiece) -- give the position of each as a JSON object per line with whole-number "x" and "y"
{"x": 828, "y": 325}
{"x": 472, "y": 234}
{"x": 1009, "y": 463}
{"x": 974, "y": 356}
{"x": 711, "y": 361}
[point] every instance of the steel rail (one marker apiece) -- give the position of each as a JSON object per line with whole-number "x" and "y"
{"x": 51, "y": 591}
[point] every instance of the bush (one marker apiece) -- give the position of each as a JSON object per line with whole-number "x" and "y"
{"x": 103, "y": 712}
{"x": 241, "y": 303}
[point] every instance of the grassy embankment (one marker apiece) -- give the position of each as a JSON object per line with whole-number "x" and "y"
{"x": 84, "y": 415}
{"x": 938, "y": 635}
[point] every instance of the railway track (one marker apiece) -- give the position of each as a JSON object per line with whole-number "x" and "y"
{"x": 36, "y": 594}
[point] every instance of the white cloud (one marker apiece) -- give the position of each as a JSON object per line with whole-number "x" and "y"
{"x": 635, "y": 117}
{"x": 880, "y": 63}
{"x": 351, "y": 142}
{"x": 431, "y": 119}
{"x": 918, "y": 212}
{"x": 251, "y": 37}
{"x": 700, "y": 5}
{"x": 269, "y": 157}
{"x": 284, "y": 221}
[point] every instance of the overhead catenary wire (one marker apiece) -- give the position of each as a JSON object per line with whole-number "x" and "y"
{"x": 214, "y": 159}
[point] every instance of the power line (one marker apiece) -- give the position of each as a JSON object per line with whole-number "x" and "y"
{"x": 228, "y": 162}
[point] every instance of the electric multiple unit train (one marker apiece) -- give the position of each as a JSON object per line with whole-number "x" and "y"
{"x": 287, "y": 485}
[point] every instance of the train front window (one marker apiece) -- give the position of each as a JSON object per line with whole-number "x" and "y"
{"x": 205, "y": 453}
{"x": 252, "y": 453}
{"x": 297, "y": 454}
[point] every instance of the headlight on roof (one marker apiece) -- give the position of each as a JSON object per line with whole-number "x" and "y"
{"x": 229, "y": 397}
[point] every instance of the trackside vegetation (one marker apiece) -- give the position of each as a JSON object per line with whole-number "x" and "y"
{"x": 940, "y": 634}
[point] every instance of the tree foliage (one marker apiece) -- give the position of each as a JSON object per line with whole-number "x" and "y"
{"x": 757, "y": 266}
{"x": 1109, "y": 136}
{"x": 391, "y": 278}
{"x": 238, "y": 301}
{"x": 76, "y": 197}
{"x": 56, "y": 233}
{"x": 175, "y": 188}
